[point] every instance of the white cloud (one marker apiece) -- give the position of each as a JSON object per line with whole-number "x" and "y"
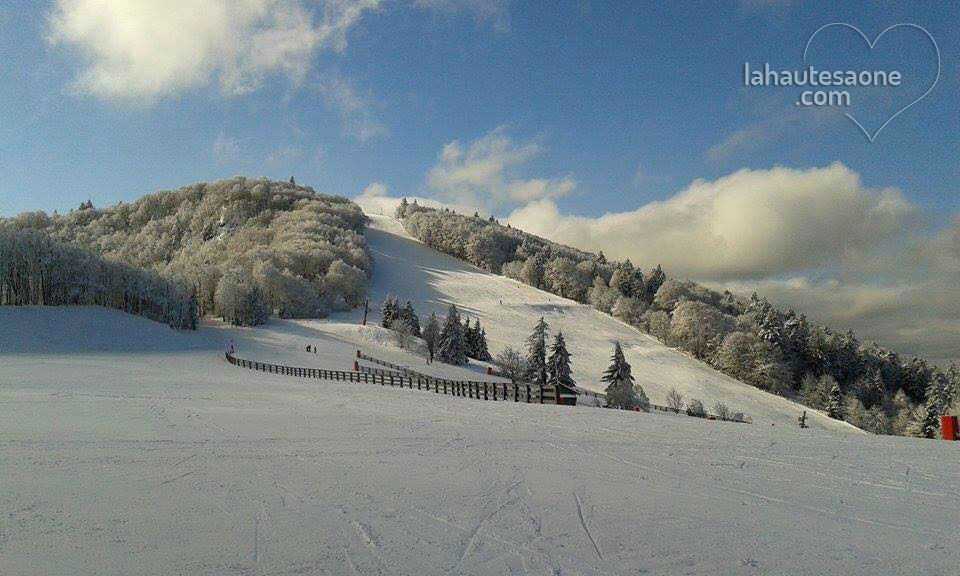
{"x": 484, "y": 173}
{"x": 374, "y": 190}
{"x": 142, "y": 50}
{"x": 356, "y": 117}
{"x": 752, "y": 223}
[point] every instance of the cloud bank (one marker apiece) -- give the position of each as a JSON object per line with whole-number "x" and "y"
{"x": 749, "y": 224}
{"x": 143, "y": 50}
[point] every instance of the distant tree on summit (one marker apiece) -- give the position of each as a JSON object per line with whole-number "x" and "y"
{"x": 402, "y": 209}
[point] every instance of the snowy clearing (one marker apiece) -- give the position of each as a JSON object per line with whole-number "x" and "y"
{"x": 129, "y": 448}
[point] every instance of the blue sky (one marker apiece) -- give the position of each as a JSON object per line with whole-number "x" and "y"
{"x": 571, "y": 110}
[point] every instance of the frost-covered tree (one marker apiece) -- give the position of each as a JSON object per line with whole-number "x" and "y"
{"x": 675, "y": 400}
{"x": 345, "y": 284}
{"x": 431, "y": 335}
{"x": 836, "y": 407}
{"x": 480, "y": 350}
{"x": 239, "y": 302}
{"x": 653, "y": 283}
{"x": 402, "y": 209}
{"x": 815, "y": 391}
{"x": 512, "y": 363}
{"x": 558, "y": 365}
{"x": 408, "y": 317}
{"x": 698, "y": 328}
{"x": 452, "y": 348}
{"x": 537, "y": 353}
{"x": 937, "y": 402}
{"x": 622, "y": 391}
{"x": 389, "y": 311}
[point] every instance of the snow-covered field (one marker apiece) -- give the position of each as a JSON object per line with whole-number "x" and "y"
{"x": 128, "y": 448}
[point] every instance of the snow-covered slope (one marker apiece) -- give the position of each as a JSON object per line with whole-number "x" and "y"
{"x": 129, "y": 448}
{"x": 508, "y": 309}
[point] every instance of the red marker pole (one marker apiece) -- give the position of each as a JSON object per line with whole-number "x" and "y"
{"x": 948, "y": 427}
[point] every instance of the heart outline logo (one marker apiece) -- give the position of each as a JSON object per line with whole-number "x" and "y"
{"x": 871, "y": 45}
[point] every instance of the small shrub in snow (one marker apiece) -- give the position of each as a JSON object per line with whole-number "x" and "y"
{"x": 675, "y": 400}
{"x": 695, "y": 408}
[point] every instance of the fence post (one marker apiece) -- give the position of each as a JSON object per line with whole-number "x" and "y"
{"x": 541, "y": 393}
{"x": 485, "y": 391}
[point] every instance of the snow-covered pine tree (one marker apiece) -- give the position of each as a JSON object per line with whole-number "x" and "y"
{"x": 480, "y": 346}
{"x": 836, "y": 408}
{"x": 401, "y": 209}
{"x": 409, "y": 317}
{"x": 431, "y": 335}
{"x": 653, "y": 283}
{"x": 623, "y": 278}
{"x": 558, "y": 366}
{"x": 390, "y": 311}
{"x": 469, "y": 339}
{"x": 537, "y": 353}
{"x": 936, "y": 403}
{"x": 453, "y": 347}
{"x": 622, "y": 392}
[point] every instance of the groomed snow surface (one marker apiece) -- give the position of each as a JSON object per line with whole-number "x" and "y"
{"x": 129, "y": 448}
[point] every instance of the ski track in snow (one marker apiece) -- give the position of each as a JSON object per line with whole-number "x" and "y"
{"x": 149, "y": 454}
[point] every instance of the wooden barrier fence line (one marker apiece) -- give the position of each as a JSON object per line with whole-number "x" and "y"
{"x": 477, "y": 390}
{"x": 564, "y": 396}
{"x": 528, "y": 393}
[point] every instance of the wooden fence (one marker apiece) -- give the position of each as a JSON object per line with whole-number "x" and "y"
{"x": 403, "y": 377}
{"x": 493, "y": 391}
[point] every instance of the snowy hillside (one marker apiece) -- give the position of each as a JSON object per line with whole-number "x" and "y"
{"x": 508, "y": 309}
{"x": 130, "y": 448}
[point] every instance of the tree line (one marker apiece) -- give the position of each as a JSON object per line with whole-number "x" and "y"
{"x": 38, "y": 271}
{"x": 244, "y": 248}
{"x": 747, "y": 338}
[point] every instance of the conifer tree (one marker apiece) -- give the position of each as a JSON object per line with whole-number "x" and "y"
{"x": 936, "y": 403}
{"x": 558, "y": 366}
{"x": 537, "y": 354}
{"x": 622, "y": 391}
{"x": 390, "y": 311}
{"x": 402, "y": 209}
{"x": 453, "y": 347}
{"x": 409, "y": 317}
{"x": 836, "y": 408}
{"x": 431, "y": 335}
{"x": 480, "y": 346}
{"x": 470, "y": 339}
